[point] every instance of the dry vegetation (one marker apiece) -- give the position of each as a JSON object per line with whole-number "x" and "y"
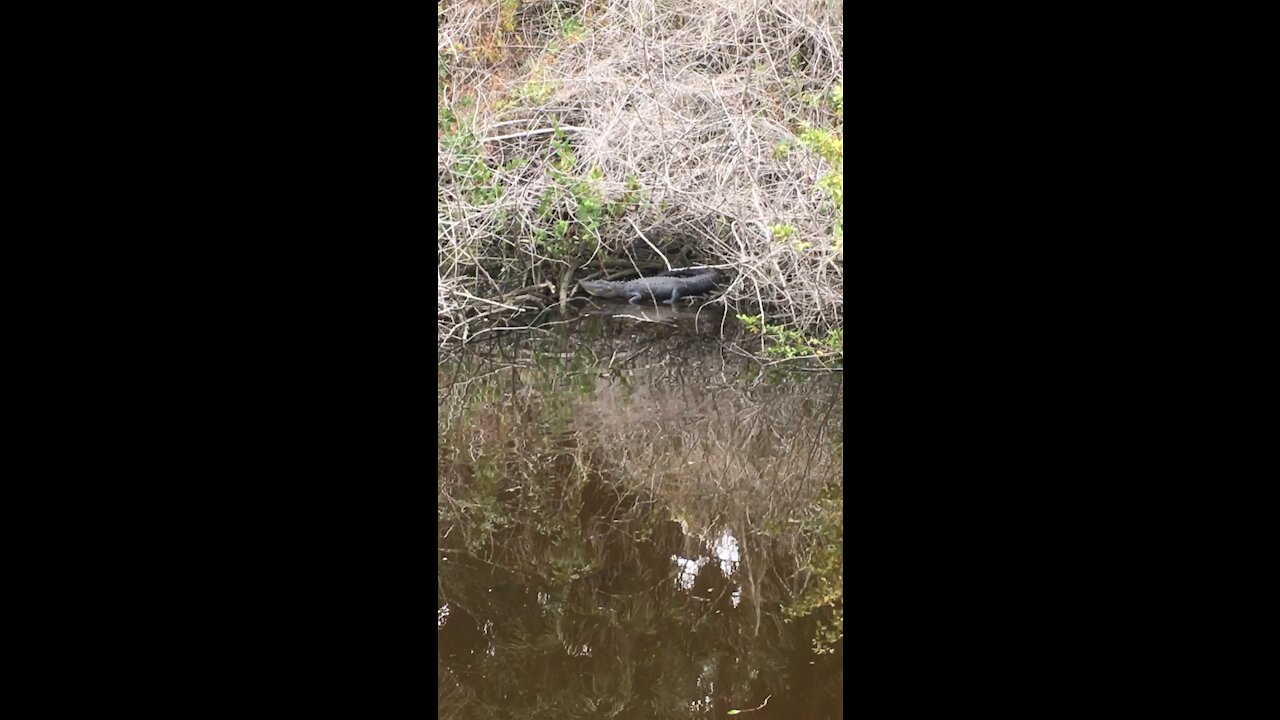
{"x": 585, "y": 139}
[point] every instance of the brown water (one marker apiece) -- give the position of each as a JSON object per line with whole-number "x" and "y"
{"x": 635, "y": 521}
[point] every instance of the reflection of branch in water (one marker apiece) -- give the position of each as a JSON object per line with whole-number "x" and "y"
{"x": 641, "y": 318}
{"x": 496, "y": 329}
{"x": 462, "y": 384}
{"x": 761, "y": 705}
{"x": 632, "y": 356}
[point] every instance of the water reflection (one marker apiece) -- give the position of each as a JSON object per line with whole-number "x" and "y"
{"x": 636, "y": 522}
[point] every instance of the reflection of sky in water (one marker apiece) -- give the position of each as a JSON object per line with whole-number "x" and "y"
{"x": 726, "y": 551}
{"x": 441, "y": 615}
{"x": 688, "y": 570}
{"x": 706, "y": 684}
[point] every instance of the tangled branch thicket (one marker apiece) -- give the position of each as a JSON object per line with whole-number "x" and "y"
{"x": 583, "y": 139}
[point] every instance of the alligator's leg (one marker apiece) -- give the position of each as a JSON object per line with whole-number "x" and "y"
{"x": 675, "y": 295}
{"x": 637, "y": 294}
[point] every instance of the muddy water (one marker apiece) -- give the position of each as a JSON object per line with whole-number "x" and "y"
{"x": 636, "y": 521}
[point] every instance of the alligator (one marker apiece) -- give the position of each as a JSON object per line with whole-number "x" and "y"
{"x": 654, "y": 288}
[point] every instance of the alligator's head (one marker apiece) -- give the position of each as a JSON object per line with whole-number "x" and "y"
{"x": 601, "y": 288}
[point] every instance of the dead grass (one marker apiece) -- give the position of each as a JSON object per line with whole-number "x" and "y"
{"x": 699, "y": 103}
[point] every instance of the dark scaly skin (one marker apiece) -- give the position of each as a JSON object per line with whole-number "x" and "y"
{"x": 652, "y": 288}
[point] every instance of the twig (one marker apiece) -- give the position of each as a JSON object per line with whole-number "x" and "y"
{"x": 468, "y": 295}
{"x": 527, "y": 133}
{"x": 665, "y": 261}
{"x": 761, "y": 705}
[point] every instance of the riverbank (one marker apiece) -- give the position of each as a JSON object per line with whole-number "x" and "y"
{"x": 579, "y": 141}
